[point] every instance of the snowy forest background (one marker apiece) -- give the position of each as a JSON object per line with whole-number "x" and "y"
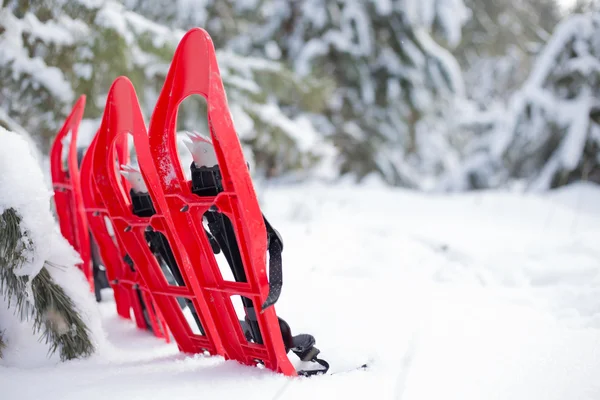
{"x": 443, "y": 95}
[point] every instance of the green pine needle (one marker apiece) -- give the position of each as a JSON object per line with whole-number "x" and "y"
{"x": 13, "y": 245}
{"x": 53, "y": 311}
{"x": 62, "y": 325}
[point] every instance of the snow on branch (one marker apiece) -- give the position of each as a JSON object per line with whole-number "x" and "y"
{"x": 41, "y": 289}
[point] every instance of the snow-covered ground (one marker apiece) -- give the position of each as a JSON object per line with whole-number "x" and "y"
{"x": 488, "y": 295}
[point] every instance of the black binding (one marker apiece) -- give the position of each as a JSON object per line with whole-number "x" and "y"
{"x": 159, "y": 246}
{"x": 206, "y": 181}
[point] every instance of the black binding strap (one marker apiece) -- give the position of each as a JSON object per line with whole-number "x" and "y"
{"x": 207, "y": 181}
{"x": 159, "y": 246}
{"x": 275, "y": 246}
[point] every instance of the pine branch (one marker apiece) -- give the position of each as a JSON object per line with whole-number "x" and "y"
{"x": 53, "y": 311}
{"x": 56, "y": 313}
{"x": 13, "y": 245}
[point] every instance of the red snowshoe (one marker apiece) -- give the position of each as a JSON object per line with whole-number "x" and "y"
{"x": 159, "y": 253}
{"x": 130, "y": 292}
{"x": 65, "y": 163}
{"x": 67, "y": 189}
{"x": 73, "y": 199}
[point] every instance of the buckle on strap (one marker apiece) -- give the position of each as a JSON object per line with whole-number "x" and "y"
{"x": 311, "y": 355}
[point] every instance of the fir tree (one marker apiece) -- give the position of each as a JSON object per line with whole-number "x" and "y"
{"x": 555, "y": 132}
{"x": 549, "y": 134}
{"x": 385, "y": 65}
{"x": 55, "y": 50}
{"x": 499, "y": 45}
{"x": 395, "y": 80}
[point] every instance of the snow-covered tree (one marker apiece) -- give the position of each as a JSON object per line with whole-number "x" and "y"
{"x": 41, "y": 289}
{"x": 224, "y": 19}
{"x": 389, "y": 83}
{"x": 393, "y": 84}
{"x": 584, "y": 6}
{"x": 500, "y": 42}
{"x": 550, "y": 132}
{"x": 53, "y": 51}
{"x": 555, "y": 132}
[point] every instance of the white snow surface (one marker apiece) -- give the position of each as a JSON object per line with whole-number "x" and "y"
{"x": 485, "y": 295}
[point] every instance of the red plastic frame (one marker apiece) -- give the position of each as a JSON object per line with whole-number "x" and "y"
{"x": 67, "y": 190}
{"x": 194, "y": 70}
{"x": 122, "y": 117}
{"x": 122, "y": 279}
